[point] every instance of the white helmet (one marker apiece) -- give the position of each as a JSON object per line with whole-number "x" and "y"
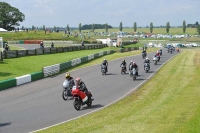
{"x": 131, "y": 61}
{"x": 147, "y": 58}
{"x": 104, "y": 59}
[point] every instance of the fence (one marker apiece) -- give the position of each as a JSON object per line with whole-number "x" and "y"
{"x": 39, "y": 51}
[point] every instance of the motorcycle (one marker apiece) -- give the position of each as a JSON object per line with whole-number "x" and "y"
{"x": 155, "y": 60}
{"x": 146, "y": 67}
{"x": 170, "y": 51}
{"x": 80, "y": 98}
{"x": 160, "y": 52}
{"x": 103, "y": 69}
{"x": 123, "y": 70}
{"x": 144, "y": 55}
{"x": 67, "y": 89}
{"x": 134, "y": 73}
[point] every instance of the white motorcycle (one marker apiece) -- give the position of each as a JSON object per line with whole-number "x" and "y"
{"x": 67, "y": 86}
{"x": 155, "y": 60}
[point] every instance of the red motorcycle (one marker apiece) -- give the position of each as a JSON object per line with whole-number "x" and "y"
{"x": 80, "y": 98}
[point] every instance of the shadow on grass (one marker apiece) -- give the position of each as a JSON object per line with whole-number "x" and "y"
{"x": 5, "y": 124}
{"x": 3, "y": 74}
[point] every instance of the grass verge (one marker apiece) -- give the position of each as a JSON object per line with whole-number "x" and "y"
{"x": 169, "y": 102}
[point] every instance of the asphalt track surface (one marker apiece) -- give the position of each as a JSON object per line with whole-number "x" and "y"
{"x": 39, "y": 104}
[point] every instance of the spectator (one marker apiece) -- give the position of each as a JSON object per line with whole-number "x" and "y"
{"x": 52, "y": 45}
{"x": 82, "y": 43}
{"x": 7, "y": 48}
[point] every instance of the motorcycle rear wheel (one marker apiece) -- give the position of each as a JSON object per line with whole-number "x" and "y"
{"x": 89, "y": 104}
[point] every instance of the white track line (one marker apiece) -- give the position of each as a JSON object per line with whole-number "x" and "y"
{"x": 134, "y": 89}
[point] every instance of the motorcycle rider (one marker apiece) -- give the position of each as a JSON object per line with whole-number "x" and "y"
{"x": 124, "y": 64}
{"x": 105, "y": 63}
{"x": 134, "y": 65}
{"x": 147, "y": 61}
{"x": 158, "y": 55}
{"x": 70, "y": 79}
{"x": 81, "y": 85}
{"x": 144, "y": 52}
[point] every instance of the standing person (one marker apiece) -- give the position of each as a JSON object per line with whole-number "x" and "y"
{"x": 7, "y": 48}
{"x": 41, "y": 45}
{"x": 52, "y": 45}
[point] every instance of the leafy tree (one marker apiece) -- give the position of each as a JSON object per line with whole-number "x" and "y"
{"x": 197, "y": 23}
{"x": 67, "y": 27}
{"x": 151, "y": 27}
{"x": 167, "y": 27}
{"x": 106, "y": 27}
{"x": 96, "y": 26}
{"x": 43, "y": 27}
{"x": 10, "y": 16}
{"x": 184, "y": 26}
{"x": 120, "y": 26}
{"x": 92, "y": 27}
{"x": 54, "y": 28}
{"x": 198, "y": 29}
{"x": 135, "y": 26}
{"x": 79, "y": 27}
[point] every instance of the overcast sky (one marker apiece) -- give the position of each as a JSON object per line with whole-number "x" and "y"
{"x": 72, "y": 12}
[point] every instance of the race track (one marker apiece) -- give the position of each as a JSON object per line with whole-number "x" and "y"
{"x": 39, "y": 104}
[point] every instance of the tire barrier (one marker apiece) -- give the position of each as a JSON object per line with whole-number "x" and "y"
{"x": 51, "y": 70}
{"x": 127, "y": 49}
{"x": 90, "y": 57}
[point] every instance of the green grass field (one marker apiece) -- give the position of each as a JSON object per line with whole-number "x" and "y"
{"x": 167, "y": 103}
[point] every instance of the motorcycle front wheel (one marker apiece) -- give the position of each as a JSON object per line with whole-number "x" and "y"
{"x": 77, "y": 104}
{"x": 64, "y": 95}
{"x": 134, "y": 78}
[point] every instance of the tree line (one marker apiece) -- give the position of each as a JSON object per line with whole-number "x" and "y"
{"x": 11, "y": 16}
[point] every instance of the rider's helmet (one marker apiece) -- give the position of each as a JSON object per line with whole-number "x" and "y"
{"x": 67, "y": 75}
{"x": 147, "y": 58}
{"x": 78, "y": 80}
{"x": 123, "y": 60}
{"x": 133, "y": 63}
{"x": 104, "y": 59}
{"x": 157, "y": 51}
